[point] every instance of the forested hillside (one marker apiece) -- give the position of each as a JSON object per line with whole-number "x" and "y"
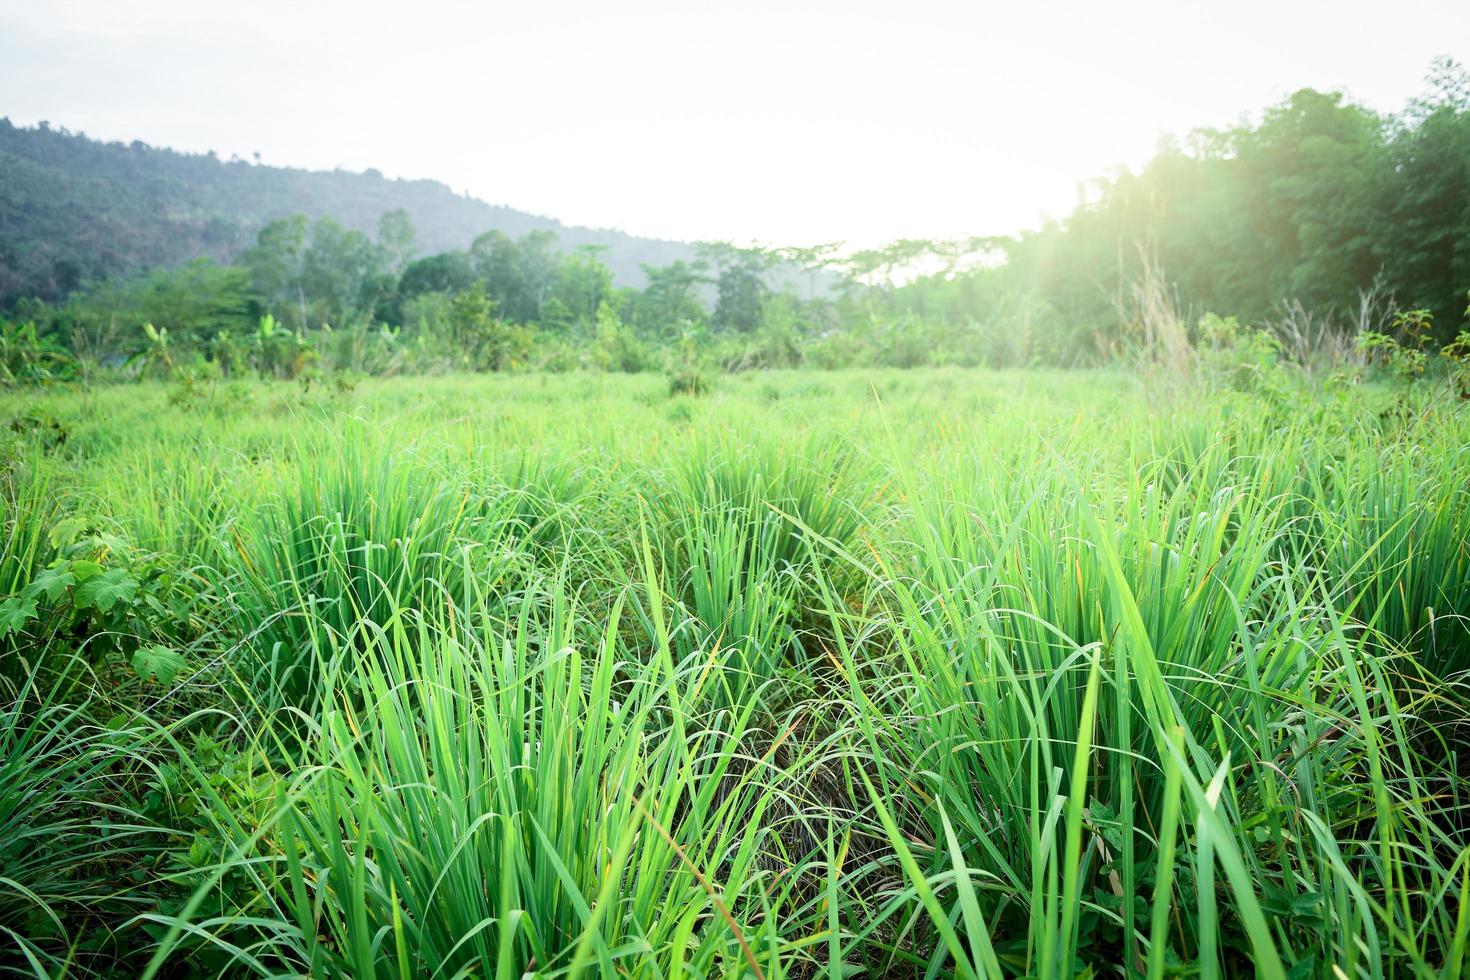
{"x": 73, "y": 210}
{"x": 1318, "y": 223}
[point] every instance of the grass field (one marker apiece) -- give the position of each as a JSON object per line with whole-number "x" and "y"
{"x": 929, "y": 673}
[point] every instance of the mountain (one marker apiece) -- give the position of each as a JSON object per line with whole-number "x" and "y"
{"x": 73, "y": 209}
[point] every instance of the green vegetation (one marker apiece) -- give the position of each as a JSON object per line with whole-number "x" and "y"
{"x": 469, "y": 605}
{"x": 74, "y": 210}
{"x": 785, "y": 674}
{"x": 1321, "y": 220}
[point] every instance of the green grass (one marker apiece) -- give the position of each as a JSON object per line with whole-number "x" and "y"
{"x": 936, "y": 673}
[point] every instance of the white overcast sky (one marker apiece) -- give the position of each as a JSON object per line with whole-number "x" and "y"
{"x": 785, "y": 123}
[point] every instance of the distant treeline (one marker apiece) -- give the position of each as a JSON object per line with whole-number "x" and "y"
{"x": 75, "y": 210}
{"x": 1319, "y": 202}
{"x": 1323, "y": 210}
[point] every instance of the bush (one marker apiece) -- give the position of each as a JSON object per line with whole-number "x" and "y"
{"x": 689, "y": 381}
{"x": 1239, "y": 357}
{"x": 26, "y": 358}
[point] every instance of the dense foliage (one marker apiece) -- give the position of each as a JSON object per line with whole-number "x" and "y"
{"x": 1322, "y": 218}
{"x": 74, "y": 210}
{"x": 1319, "y": 202}
{"x": 1151, "y": 669}
{"x": 933, "y": 673}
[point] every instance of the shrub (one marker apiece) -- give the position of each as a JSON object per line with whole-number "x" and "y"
{"x": 27, "y": 358}
{"x": 1239, "y": 357}
{"x": 690, "y": 381}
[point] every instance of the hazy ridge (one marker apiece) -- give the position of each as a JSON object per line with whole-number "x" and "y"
{"x": 74, "y": 209}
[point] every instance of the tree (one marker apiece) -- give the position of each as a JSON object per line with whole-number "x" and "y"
{"x": 539, "y": 259}
{"x": 343, "y": 272}
{"x": 446, "y": 272}
{"x": 496, "y": 260}
{"x": 277, "y": 265}
{"x": 582, "y": 285}
{"x": 518, "y": 275}
{"x": 739, "y": 283}
{"x": 1423, "y": 240}
{"x": 395, "y": 240}
{"x": 812, "y": 261}
{"x": 670, "y": 302}
{"x": 470, "y": 315}
{"x": 1312, "y": 172}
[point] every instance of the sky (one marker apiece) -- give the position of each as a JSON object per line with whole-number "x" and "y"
{"x": 784, "y": 123}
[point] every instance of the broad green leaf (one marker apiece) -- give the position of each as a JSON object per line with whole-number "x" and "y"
{"x": 52, "y": 582}
{"x": 105, "y": 590}
{"x": 104, "y": 542}
{"x": 15, "y": 612}
{"x": 157, "y": 663}
{"x": 84, "y": 568}
{"x": 68, "y": 530}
